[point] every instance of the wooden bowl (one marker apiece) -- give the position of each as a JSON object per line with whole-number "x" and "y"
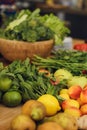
{"x": 13, "y": 50}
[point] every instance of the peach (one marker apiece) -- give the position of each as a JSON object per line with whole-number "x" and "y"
{"x": 79, "y": 101}
{"x": 85, "y": 87}
{"x": 74, "y": 91}
{"x": 69, "y": 103}
{"x": 83, "y": 109}
{"x": 83, "y": 96}
{"x": 76, "y": 112}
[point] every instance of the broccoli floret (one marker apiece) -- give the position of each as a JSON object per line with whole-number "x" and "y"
{"x": 30, "y": 30}
{"x": 30, "y": 35}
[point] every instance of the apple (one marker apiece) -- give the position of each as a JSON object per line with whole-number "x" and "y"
{"x": 69, "y": 103}
{"x": 74, "y": 91}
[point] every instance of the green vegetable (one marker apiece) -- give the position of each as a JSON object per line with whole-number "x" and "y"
{"x": 16, "y": 22}
{"x": 73, "y": 61}
{"x": 57, "y": 26}
{"x": 31, "y": 26}
{"x": 77, "y": 80}
{"x": 27, "y": 80}
{"x": 21, "y": 16}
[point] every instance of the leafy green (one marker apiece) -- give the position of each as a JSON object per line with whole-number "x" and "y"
{"x": 73, "y": 61}
{"x": 27, "y": 80}
{"x": 31, "y": 26}
{"x": 57, "y": 26}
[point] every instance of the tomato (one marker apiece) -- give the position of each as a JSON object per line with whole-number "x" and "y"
{"x": 5, "y": 83}
{"x": 80, "y": 47}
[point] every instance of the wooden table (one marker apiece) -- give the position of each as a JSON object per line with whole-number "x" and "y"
{"x": 6, "y": 115}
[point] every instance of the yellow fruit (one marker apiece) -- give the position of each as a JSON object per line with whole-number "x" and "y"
{"x": 65, "y": 96}
{"x": 22, "y": 122}
{"x": 70, "y": 103}
{"x": 73, "y": 111}
{"x": 51, "y": 125}
{"x": 35, "y": 109}
{"x": 51, "y": 103}
{"x": 64, "y": 91}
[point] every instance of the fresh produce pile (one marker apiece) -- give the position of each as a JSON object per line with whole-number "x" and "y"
{"x": 51, "y": 81}
{"x": 32, "y": 27}
{"x": 27, "y": 80}
{"x": 33, "y": 116}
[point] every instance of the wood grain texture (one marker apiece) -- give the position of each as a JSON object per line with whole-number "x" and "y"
{"x": 6, "y": 115}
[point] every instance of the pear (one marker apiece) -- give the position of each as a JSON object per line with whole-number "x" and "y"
{"x": 22, "y": 122}
{"x": 35, "y": 109}
{"x": 49, "y": 126}
{"x": 68, "y": 122}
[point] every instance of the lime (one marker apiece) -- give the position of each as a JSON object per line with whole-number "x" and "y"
{"x": 5, "y": 83}
{"x": 12, "y": 98}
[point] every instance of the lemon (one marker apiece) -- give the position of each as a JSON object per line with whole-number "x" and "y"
{"x": 51, "y": 103}
{"x": 64, "y": 91}
{"x": 64, "y": 95}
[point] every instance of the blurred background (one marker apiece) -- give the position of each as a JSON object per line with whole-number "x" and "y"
{"x": 72, "y": 12}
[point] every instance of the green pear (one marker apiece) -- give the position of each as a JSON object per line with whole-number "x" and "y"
{"x": 68, "y": 122}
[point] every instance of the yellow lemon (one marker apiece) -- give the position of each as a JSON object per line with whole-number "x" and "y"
{"x": 64, "y": 91}
{"x": 51, "y": 103}
{"x": 64, "y": 96}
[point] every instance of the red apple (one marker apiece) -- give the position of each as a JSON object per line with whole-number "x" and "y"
{"x": 70, "y": 103}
